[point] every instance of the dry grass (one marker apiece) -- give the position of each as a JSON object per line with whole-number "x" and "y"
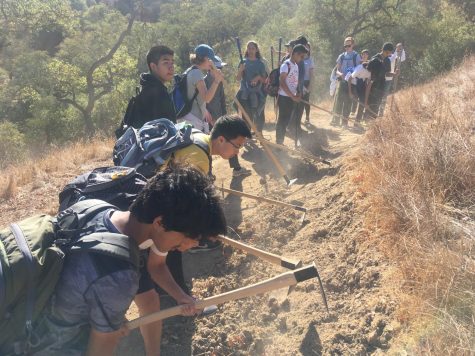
{"x": 55, "y": 161}
{"x": 418, "y": 164}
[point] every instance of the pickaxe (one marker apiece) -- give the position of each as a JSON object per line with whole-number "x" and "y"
{"x": 263, "y": 142}
{"x": 266, "y": 200}
{"x": 283, "y": 280}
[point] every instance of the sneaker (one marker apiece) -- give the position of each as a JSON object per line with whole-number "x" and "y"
{"x": 204, "y": 246}
{"x": 241, "y": 172}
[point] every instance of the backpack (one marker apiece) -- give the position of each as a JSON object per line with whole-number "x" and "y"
{"x": 355, "y": 55}
{"x": 31, "y": 260}
{"x": 152, "y": 145}
{"x": 179, "y": 94}
{"x": 130, "y": 114}
{"x": 273, "y": 85}
{"x": 116, "y": 185}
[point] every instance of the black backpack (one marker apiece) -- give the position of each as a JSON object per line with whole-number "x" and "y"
{"x": 116, "y": 185}
{"x": 272, "y": 88}
{"x": 181, "y": 102}
{"x": 131, "y": 113}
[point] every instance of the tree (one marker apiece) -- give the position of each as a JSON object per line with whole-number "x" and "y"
{"x": 88, "y": 82}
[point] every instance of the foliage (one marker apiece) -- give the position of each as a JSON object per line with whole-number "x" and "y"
{"x": 69, "y": 67}
{"x": 12, "y": 144}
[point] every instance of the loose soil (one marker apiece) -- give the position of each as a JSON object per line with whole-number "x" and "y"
{"x": 359, "y": 281}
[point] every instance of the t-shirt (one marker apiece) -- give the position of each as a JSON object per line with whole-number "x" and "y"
{"x": 199, "y": 105}
{"x": 195, "y": 155}
{"x": 252, "y": 68}
{"x": 308, "y": 62}
{"x": 292, "y": 79}
{"x": 347, "y": 62}
{"x": 379, "y": 66}
{"x": 360, "y": 72}
{"x": 393, "y": 59}
{"x": 94, "y": 291}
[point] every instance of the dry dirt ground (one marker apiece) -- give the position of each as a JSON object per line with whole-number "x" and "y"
{"x": 359, "y": 281}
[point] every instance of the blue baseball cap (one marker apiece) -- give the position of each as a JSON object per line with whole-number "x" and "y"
{"x": 204, "y": 50}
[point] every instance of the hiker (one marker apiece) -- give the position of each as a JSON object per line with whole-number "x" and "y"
{"x": 298, "y": 110}
{"x": 346, "y": 63}
{"x": 217, "y": 108}
{"x": 202, "y": 61}
{"x": 357, "y": 82}
{"x": 227, "y": 137}
{"x": 307, "y": 81}
{"x": 252, "y": 75}
{"x": 396, "y": 59}
{"x": 288, "y": 96}
{"x": 380, "y": 68}
{"x": 86, "y": 312}
{"x": 153, "y": 101}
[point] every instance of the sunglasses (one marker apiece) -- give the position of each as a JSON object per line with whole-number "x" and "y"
{"x": 233, "y": 144}
{"x": 346, "y": 46}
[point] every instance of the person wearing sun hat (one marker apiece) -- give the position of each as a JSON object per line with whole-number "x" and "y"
{"x": 202, "y": 61}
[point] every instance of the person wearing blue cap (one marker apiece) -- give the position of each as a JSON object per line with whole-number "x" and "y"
{"x": 202, "y": 61}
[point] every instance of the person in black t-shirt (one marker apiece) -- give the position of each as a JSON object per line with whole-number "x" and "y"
{"x": 380, "y": 68}
{"x": 154, "y": 100}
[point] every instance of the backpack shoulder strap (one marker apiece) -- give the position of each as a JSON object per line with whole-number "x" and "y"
{"x": 111, "y": 244}
{"x": 355, "y": 55}
{"x": 204, "y": 146}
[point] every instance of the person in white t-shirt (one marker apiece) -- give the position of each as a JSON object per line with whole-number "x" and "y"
{"x": 396, "y": 59}
{"x": 288, "y": 97}
{"x": 357, "y": 82}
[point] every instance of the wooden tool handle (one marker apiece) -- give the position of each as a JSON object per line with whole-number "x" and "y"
{"x": 283, "y": 280}
{"x": 262, "y": 141}
{"x": 263, "y": 199}
{"x": 267, "y": 256}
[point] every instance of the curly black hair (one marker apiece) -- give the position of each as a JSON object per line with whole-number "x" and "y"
{"x": 185, "y": 199}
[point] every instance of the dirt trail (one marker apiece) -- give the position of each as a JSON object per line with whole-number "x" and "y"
{"x": 356, "y": 277}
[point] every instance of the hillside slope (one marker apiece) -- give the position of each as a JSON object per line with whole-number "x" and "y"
{"x": 362, "y": 282}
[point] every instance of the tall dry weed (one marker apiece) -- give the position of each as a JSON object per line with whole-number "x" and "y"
{"x": 419, "y": 169}
{"x": 57, "y": 161}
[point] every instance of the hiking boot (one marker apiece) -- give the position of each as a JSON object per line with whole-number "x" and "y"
{"x": 205, "y": 246}
{"x": 239, "y": 172}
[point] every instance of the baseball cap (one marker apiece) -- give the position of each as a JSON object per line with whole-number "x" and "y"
{"x": 203, "y": 50}
{"x": 291, "y": 43}
{"x": 219, "y": 62}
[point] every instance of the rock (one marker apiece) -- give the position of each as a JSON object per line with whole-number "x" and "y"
{"x": 310, "y": 287}
{"x": 283, "y": 324}
{"x": 258, "y": 347}
{"x": 373, "y": 339}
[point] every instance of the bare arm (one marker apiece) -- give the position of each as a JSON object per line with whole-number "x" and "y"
{"x": 103, "y": 344}
{"x": 240, "y": 72}
{"x": 158, "y": 269}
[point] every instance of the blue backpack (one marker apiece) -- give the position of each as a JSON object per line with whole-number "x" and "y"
{"x": 179, "y": 94}
{"x": 152, "y": 145}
